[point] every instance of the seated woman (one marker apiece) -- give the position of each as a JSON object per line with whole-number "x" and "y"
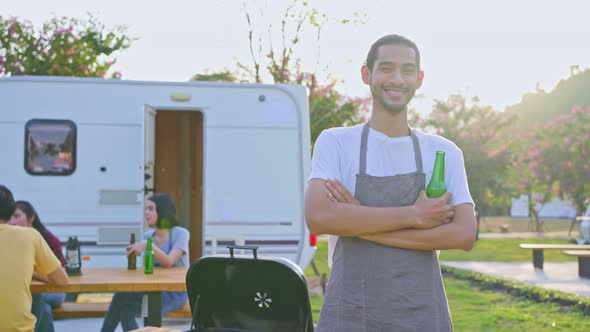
{"x": 26, "y": 216}
{"x": 170, "y": 247}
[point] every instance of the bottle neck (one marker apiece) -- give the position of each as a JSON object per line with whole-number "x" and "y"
{"x": 438, "y": 173}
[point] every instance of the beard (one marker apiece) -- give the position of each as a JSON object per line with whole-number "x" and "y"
{"x": 390, "y": 107}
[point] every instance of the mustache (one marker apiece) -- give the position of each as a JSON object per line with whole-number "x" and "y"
{"x": 401, "y": 87}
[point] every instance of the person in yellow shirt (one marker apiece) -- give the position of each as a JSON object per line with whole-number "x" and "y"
{"x": 24, "y": 252}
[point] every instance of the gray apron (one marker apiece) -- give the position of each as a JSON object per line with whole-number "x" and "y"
{"x": 374, "y": 287}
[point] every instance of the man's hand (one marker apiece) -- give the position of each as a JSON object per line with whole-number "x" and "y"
{"x": 338, "y": 193}
{"x": 433, "y": 212}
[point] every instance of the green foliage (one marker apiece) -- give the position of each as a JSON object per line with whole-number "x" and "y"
{"x": 221, "y": 76}
{"x": 538, "y": 107}
{"x": 61, "y": 47}
{"x": 328, "y": 108}
{"x": 487, "y": 157}
{"x": 560, "y": 155}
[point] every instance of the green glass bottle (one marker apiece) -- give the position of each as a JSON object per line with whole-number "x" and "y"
{"x": 148, "y": 258}
{"x": 132, "y": 257}
{"x": 437, "y": 186}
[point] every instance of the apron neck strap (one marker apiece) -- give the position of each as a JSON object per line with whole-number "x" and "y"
{"x": 363, "y": 152}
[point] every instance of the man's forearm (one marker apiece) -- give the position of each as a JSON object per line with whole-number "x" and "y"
{"x": 459, "y": 234}
{"x": 355, "y": 220}
{"x": 39, "y": 277}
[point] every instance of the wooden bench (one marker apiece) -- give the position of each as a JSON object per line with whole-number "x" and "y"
{"x": 98, "y": 310}
{"x": 583, "y": 261}
{"x": 539, "y": 248}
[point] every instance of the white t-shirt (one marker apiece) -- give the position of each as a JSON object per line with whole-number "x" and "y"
{"x": 337, "y": 151}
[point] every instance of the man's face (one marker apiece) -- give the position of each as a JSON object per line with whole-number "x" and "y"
{"x": 394, "y": 78}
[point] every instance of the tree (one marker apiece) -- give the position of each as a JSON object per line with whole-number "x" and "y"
{"x": 221, "y": 76}
{"x": 487, "y": 157}
{"x": 568, "y": 93}
{"x": 560, "y": 157}
{"x": 327, "y": 107}
{"x": 61, "y": 47}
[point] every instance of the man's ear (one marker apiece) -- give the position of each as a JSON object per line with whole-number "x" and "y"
{"x": 420, "y": 78}
{"x": 365, "y": 74}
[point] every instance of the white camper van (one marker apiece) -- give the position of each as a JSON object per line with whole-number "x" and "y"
{"x": 87, "y": 152}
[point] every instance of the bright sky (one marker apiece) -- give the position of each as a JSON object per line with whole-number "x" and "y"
{"x": 496, "y": 50}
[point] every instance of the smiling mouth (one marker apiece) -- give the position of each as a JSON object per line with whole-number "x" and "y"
{"x": 395, "y": 89}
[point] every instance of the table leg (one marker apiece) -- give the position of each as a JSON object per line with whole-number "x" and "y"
{"x": 538, "y": 258}
{"x": 584, "y": 267}
{"x": 154, "y": 316}
{"x": 571, "y": 227}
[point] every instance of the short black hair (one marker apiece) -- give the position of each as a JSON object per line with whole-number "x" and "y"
{"x": 389, "y": 40}
{"x": 7, "y": 204}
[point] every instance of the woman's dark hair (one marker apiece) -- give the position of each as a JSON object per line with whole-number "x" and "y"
{"x": 388, "y": 40}
{"x": 28, "y": 209}
{"x": 166, "y": 210}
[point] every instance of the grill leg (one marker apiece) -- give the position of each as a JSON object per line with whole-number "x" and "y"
{"x": 538, "y": 258}
{"x": 584, "y": 267}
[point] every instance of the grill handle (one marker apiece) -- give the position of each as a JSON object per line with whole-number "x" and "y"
{"x": 253, "y": 248}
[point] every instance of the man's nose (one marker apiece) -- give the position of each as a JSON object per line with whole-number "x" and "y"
{"x": 396, "y": 77}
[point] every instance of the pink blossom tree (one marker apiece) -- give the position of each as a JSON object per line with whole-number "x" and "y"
{"x": 474, "y": 128}
{"x": 61, "y": 47}
{"x": 560, "y": 157}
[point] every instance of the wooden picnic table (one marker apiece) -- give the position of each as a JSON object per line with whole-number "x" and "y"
{"x": 583, "y": 261}
{"x": 538, "y": 249}
{"x": 97, "y": 280}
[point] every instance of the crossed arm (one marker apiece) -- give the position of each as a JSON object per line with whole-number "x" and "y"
{"x": 429, "y": 224}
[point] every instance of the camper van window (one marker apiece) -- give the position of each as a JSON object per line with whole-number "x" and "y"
{"x": 50, "y": 147}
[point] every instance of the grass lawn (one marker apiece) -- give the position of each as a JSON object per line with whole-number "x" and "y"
{"x": 505, "y": 250}
{"x": 473, "y": 309}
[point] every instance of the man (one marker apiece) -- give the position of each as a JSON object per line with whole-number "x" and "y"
{"x": 23, "y": 252}
{"x": 382, "y": 249}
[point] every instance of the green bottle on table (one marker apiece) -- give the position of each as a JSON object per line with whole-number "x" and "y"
{"x": 437, "y": 186}
{"x": 148, "y": 258}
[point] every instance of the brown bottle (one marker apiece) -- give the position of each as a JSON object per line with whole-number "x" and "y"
{"x": 132, "y": 257}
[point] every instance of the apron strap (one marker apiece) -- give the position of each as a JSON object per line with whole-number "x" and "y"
{"x": 417, "y": 153}
{"x": 363, "y": 153}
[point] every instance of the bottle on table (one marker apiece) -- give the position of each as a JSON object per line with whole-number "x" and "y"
{"x": 148, "y": 258}
{"x": 132, "y": 257}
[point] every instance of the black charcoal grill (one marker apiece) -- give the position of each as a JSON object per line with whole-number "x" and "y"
{"x": 242, "y": 294}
